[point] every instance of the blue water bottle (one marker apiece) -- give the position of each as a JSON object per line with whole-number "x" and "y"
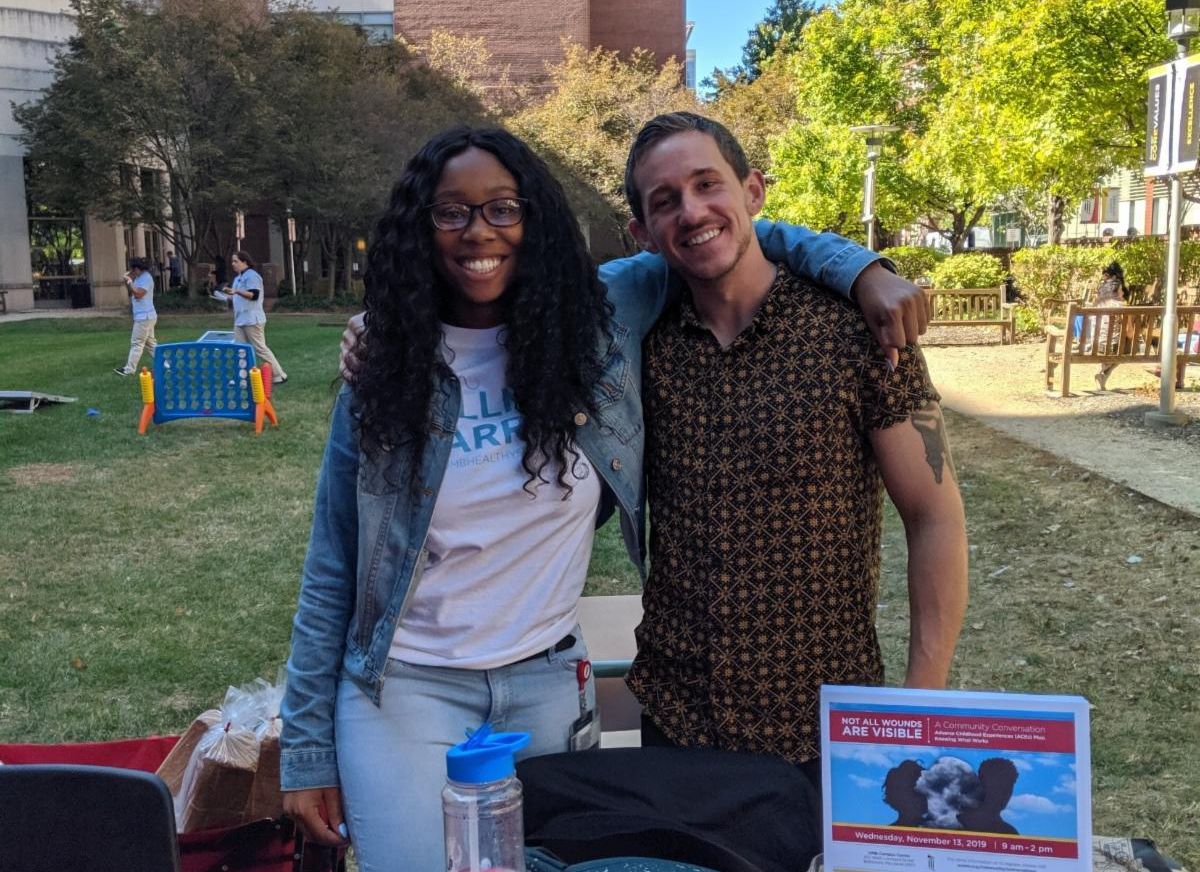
{"x": 481, "y": 804}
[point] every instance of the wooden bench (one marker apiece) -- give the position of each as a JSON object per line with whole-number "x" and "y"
{"x": 1118, "y": 334}
{"x": 971, "y": 307}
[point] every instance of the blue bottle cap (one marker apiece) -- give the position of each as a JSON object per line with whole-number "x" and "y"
{"x": 485, "y": 756}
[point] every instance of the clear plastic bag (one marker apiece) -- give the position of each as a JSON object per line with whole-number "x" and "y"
{"x": 226, "y": 782}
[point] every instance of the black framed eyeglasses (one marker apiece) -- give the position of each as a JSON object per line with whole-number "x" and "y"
{"x": 501, "y": 212}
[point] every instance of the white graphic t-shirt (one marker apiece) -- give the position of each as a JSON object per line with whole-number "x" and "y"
{"x": 248, "y": 312}
{"x": 505, "y": 569}
{"x": 143, "y": 309}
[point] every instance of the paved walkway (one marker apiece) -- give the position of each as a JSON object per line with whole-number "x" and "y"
{"x": 11, "y": 317}
{"x": 1003, "y": 386}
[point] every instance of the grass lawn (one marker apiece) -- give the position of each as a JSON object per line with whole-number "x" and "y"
{"x": 139, "y": 576}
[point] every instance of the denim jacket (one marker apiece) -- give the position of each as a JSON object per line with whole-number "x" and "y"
{"x": 367, "y": 548}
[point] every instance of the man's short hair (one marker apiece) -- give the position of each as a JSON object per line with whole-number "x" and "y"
{"x": 662, "y": 126}
{"x": 138, "y": 263}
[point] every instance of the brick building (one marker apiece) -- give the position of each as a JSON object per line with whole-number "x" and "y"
{"x": 523, "y": 35}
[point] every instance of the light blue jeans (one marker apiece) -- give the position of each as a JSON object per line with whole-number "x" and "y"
{"x": 392, "y": 759}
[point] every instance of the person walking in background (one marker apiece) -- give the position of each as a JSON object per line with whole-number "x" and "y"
{"x": 174, "y": 268}
{"x": 139, "y": 285}
{"x": 249, "y": 318}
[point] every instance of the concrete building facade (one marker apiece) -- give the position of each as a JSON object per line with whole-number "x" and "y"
{"x": 31, "y": 33}
{"x": 1127, "y": 201}
{"x": 50, "y": 260}
{"x": 523, "y": 35}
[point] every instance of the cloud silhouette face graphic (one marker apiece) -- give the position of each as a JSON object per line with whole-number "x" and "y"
{"x": 952, "y": 786}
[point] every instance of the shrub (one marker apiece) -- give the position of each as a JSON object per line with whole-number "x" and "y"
{"x": 1028, "y": 319}
{"x": 1058, "y": 272}
{"x": 914, "y": 261}
{"x": 317, "y": 303}
{"x": 968, "y": 271}
{"x": 1145, "y": 264}
{"x": 172, "y": 301}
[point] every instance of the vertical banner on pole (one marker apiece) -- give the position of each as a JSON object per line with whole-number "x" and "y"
{"x": 1188, "y": 109}
{"x": 240, "y": 226}
{"x": 1157, "y": 105}
{"x": 1173, "y": 118}
{"x": 291, "y": 229}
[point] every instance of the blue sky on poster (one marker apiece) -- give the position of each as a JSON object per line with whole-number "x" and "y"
{"x": 1043, "y": 801}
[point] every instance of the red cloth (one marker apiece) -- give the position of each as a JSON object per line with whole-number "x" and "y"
{"x": 261, "y": 846}
{"x": 142, "y": 754}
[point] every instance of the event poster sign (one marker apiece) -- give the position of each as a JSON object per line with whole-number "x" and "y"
{"x": 955, "y": 781}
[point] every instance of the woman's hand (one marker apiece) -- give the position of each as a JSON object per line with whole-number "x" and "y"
{"x": 318, "y": 813}
{"x": 352, "y": 347}
{"x": 895, "y": 309}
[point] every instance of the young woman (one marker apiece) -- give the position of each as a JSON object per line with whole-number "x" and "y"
{"x": 494, "y": 420}
{"x": 249, "y": 318}
{"x": 494, "y": 403}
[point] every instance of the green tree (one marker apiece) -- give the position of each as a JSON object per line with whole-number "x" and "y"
{"x": 1071, "y": 79}
{"x": 137, "y": 90}
{"x": 325, "y": 164}
{"x": 757, "y": 112}
{"x": 817, "y": 172}
{"x": 597, "y": 104}
{"x": 1041, "y": 96}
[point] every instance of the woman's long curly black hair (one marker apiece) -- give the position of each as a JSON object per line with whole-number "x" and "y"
{"x": 554, "y": 312}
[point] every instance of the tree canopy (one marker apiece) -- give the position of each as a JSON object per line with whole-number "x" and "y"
{"x": 597, "y": 103}
{"x": 1039, "y": 96}
{"x": 122, "y": 101}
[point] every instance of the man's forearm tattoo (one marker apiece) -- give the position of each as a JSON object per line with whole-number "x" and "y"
{"x": 928, "y": 422}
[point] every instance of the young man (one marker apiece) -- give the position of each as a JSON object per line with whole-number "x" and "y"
{"x": 773, "y": 422}
{"x": 139, "y": 285}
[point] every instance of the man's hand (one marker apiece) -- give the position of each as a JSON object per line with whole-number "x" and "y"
{"x": 894, "y": 308}
{"x": 318, "y": 813}
{"x": 353, "y": 344}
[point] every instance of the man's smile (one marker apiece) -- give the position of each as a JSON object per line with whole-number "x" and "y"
{"x": 702, "y": 238}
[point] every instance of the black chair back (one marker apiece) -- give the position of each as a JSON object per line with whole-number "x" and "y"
{"x": 85, "y": 819}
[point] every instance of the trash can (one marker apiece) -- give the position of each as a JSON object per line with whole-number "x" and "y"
{"x": 79, "y": 292}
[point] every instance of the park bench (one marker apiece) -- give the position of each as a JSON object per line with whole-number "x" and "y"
{"x": 3, "y": 301}
{"x": 1109, "y": 336}
{"x": 971, "y": 307}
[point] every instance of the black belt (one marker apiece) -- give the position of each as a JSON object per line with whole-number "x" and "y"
{"x": 565, "y": 643}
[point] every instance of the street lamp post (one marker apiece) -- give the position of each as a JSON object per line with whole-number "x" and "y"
{"x": 1182, "y": 19}
{"x": 291, "y": 240}
{"x": 874, "y": 134}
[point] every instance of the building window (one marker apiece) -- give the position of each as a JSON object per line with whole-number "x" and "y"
{"x": 1089, "y": 211}
{"x": 1112, "y": 205}
{"x": 378, "y": 26}
{"x": 57, "y": 254}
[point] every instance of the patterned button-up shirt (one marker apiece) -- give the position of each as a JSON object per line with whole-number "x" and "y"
{"x": 766, "y": 507}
